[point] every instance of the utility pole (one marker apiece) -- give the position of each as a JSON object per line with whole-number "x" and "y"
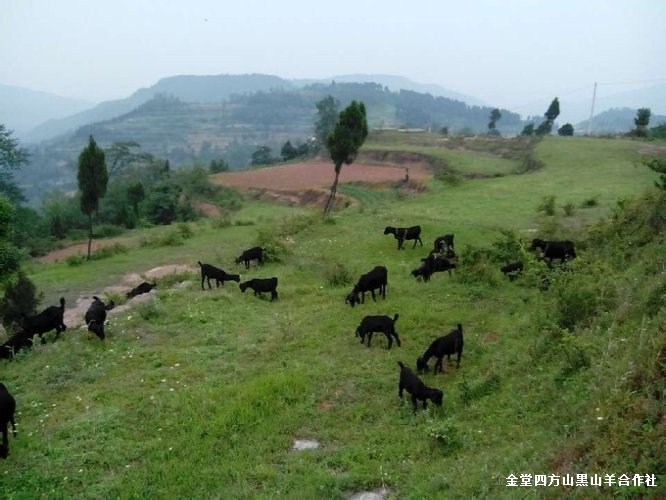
{"x": 589, "y": 122}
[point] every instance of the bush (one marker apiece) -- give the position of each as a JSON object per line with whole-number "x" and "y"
{"x": 445, "y": 434}
{"x": 108, "y": 251}
{"x": 547, "y": 206}
{"x": 20, "y": 297}
{"x": 337, "y": 274}
{"x": 530, "y": 164}
{"x": 76, "y": 259}
{"x": 569, "y": 209}
{"x": 590, "y": 202}
{"x": 107, "y": 231}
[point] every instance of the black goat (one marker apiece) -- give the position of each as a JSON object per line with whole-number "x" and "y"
{"x": 443, "y": 243}
{"x": 96, "y": 316}
{"x": 18, "y": 341}
{"x": 377, "y": 279}
{"x": 443, "y": 346}
{"x": 254, "y": 253}
{"x": 144, "y": 287}
{"x": 49, "y": 319}
{"x": 378, "y": 324}
{"x": 433, "y": 264}
{"x": 209, "y": 271}
{"x": 561, "y": 250}
{"x": 7, "y": 410}
{"x": 410, "y": 382}
{"x": 401, "y": 234}
{"x": 512, "y": 270}
{"x": 261, "y": 286}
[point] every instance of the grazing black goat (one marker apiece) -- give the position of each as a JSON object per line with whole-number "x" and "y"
{"x": 209, "y": 271}
{"x": 18, "y": 341}
{"x": 433, "y": 264}
{"x": 561, "y": 250}
{"x": 405, "y": 233}
{"x": 254, "y": 253}
{"x": 443, "y": 243}
{"x": 377, "y": 279}
{"x": 144, "y": 287}
{"x": 446, "y": 345}
{"x": 512, "y": 270}
{"x": 49, "y": 319}
{"x": 378, "y": 324}
{"x": 96, "y": 316}
{"x": 410, "y": 382}
{"x": 7, "y": 410}
{"x": 261, "y": 286}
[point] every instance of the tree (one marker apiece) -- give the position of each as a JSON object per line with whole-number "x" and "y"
{"x": 566, "y": 130}
{"x": 641, "y": 121}
{"x": 288, "y": 151}
{"x": 528, "y": 129}
{"x": 495, "y": 115}
{"x": 327, "y": 116}
{"x": 123, "y": 154}
{"x": 12, "y": 157}
{"x": 553, "y": 110}
{"x": 262, "y": 156}
{"x": 217, "y": 166}
{"x": 93, "y": 179}
{"x": 551, "y": 114}
{"x": 343, "y": 143}
{"x": 9, "y": 255}
{"x": 20, "y": 298}
{"x": 135, "y": 195}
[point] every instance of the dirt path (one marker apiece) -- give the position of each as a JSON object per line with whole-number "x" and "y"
{"x": 74, "y": 316}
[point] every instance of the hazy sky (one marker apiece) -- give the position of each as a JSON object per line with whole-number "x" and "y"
{"x": 508, "y": 53}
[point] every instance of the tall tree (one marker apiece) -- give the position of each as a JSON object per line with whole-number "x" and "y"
{"x": 495, "y": 115}
{"x": 551, "y": 114}
{"x": 93, "y": 178}
{"x": 9, "y": 255}
{"x": 642, "y": 121}
{"x": 12, "y": 157}
{"x": 327, "y": 116}
{"x": 344, "y": 142}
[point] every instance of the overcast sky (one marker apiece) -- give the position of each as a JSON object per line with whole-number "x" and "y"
{"x": 513, "y": 54}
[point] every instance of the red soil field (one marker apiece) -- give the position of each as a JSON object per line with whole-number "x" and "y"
{"x": 318, "y": 174}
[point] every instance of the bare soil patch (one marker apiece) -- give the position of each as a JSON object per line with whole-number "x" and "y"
{"x": 319, "y": 174}
{"x": 82, "y": 248}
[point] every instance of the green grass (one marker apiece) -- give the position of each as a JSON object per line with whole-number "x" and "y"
{"x": 201, "y": 394}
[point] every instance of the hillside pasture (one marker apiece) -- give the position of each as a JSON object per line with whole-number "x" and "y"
{"x": 201, "y": 394}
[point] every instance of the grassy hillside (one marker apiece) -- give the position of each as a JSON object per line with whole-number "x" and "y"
{"x": 200, "y": 394}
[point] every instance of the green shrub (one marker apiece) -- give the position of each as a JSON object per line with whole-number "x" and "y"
{"x": 448, "y": 178}
{"x": 590, "y": 202}
{"x": 569, "y": 209}
{"x": 222, "y": 221}
{"x": 76, "y": 259}
{"x": 243, "y": 222}
{"x": 445, "y": 433}
{"x": 185, "y": 230}
{"x": 547, "y": 206}
{"x": 337, "y": 274}
{"x": 108, "y": 251}
{"x": 150, "y": 309}
{"x": 20, "y": 297}
{"x": 107, "y": 231}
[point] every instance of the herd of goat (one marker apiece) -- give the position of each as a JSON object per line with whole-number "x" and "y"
{"x": 441, "y": 258}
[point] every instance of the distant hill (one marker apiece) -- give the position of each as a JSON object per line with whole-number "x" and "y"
{"x": 22, "y": 109}
{"x": 575, "y": 110}
{"x": 187, "y": 88}
{"x": 185, "y": 132}
{"x": 615, "y": 121}
{"x": 397, "y": 83}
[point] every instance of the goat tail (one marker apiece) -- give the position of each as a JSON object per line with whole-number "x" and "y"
{"x": 401, "y": 365}
{"x": 395, "y": 318}
{"x": 62, "y": 301}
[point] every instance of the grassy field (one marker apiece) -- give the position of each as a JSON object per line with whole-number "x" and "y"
{"x": 200, "y": 394}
